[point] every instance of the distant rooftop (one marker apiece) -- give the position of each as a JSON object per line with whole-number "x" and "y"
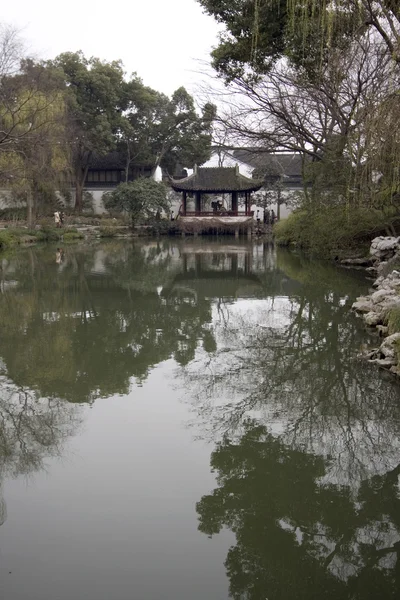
{"x": 113, "y": 160}
{"x": 270, "y": 165}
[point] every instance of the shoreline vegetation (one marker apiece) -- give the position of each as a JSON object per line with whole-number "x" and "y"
{"x": 15, "y": 232}
{"x": 335, "y": 232}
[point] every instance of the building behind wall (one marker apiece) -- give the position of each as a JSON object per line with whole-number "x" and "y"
{"x": 281, "y": 173}
{"x": 106, "y": 172}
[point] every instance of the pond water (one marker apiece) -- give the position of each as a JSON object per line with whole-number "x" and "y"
{"x": 188, "y": 420}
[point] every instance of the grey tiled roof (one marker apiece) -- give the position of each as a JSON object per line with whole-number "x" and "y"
{"x": 113, "y": 160}
{"x": 272, "y": 164}
{"x": 216, "y": 179}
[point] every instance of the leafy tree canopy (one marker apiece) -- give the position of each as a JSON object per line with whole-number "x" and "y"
{"x": 259, "y": 32}
{"x": 96, "y": 98}
{"x": 166, "y": 131}
{"x": 96, "y": 93}
{"x": 142, "y": 198}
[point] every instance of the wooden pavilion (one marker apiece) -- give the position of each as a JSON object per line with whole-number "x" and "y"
{"x": 216, "y": 181}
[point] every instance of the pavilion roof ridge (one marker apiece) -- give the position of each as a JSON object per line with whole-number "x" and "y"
{"x": 216, "y": 179}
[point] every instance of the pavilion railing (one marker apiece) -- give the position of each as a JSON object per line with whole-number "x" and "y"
{"x": 218, "y": 213}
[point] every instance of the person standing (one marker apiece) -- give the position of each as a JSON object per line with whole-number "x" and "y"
{"x": 57, "y": 219}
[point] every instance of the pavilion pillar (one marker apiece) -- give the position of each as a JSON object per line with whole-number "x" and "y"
{"x": 184, "y": 198}
{"x": 234, "y": 266}
{"x": 247, "y": 267}
{"x": 247, "y": 202}
{"x": 234, "y": 201}
{"x": 198, "y": 261}
{"x": 197, "y": 202}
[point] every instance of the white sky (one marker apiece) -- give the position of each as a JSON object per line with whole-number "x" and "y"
{"x": 162, "y": 40}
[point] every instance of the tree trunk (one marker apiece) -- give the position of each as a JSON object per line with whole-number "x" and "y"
{"x": 29, "y": 209}
{"x": 157, "y": 163}
{"x": 127, "y": 170}
{"x": 155, "y": 166}
{"x": 127, "y": 164}
{"x": 278, "y": 206}
{"x": 80, "y": 177}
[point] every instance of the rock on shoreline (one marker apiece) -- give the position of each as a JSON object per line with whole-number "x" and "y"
{"x": 376, "y": 307}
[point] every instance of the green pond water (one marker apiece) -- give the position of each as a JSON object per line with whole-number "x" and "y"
{"x": 188, "y": 420}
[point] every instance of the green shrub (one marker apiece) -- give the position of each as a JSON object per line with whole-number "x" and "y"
{"x": 163, "y": 227}
{"x": 49, "y": 234}
{"x": 292, "y": 230}
{"x": 108, "y": 232}
{"x": 13, "y": 213}
{"x": 332, "y": 230}
{"x": 6, "y": 239}
{"x": 70, "y": 235}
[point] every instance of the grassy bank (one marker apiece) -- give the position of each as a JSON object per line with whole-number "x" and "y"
{"x": 15, "y": 236}
{"x": 334, "y": 231}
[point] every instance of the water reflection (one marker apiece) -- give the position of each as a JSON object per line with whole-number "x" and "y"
{"x": 307, "y": 456}
{"x": 305, "y": 436}
{"x": 32, "y": 429}
{"x": 298, "y": 534}
{"x": 87, "y": 326}
{"x": 82, "y": 329}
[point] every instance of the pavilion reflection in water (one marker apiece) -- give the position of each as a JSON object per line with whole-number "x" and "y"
{"x": 226, "y": 272}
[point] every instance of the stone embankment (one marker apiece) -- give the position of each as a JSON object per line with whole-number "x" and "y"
{"x": 381, "y": 308}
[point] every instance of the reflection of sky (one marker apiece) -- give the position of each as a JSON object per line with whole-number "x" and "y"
{"x": 356, "y": 448}
{"x": 115, "y": 519}
{"x": 267, "y": 313}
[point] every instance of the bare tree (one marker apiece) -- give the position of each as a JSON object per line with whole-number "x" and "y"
{"x": 11, "y": 50}
{"x": 324, "y": 119}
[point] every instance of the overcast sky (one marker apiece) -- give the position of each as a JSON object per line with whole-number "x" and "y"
{"x": 162, "y": 40}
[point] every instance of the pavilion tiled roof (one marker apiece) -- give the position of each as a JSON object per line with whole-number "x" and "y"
{"x": 216, "y": 179}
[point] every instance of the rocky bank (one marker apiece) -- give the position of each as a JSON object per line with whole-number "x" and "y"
{"x": 381, "y": 306}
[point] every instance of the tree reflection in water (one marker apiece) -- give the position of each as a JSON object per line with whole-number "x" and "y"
{"x": 298, "y": 535}
{"x": 307, "y": 436}
{"x": 81, "y": 330}
{"x": 307, "y": 456}
{"x": 32, "y": 429}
